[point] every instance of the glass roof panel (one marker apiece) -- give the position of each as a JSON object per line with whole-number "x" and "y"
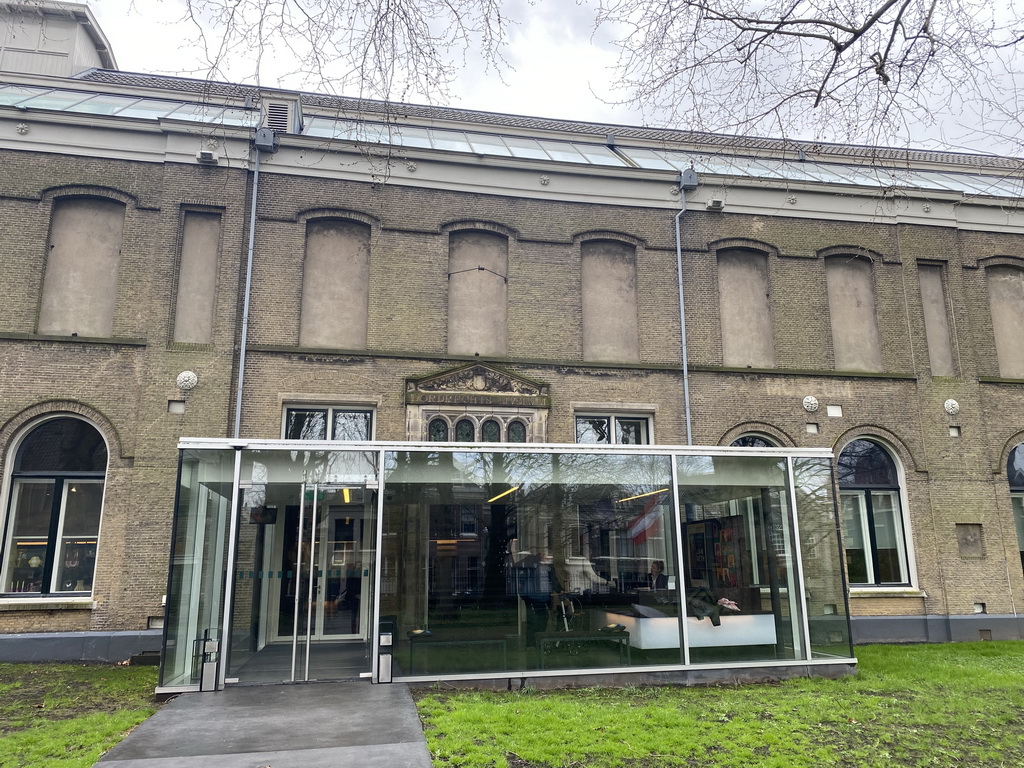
{"x": 12, "y": 94}
{"x": 408, "y": 136}
{"x": 488, "y": 145}
{"x": 526, "y": 148}
{"x": 248, "y": 117}
{"x": 599, "y": 155}
{"x": 648, "y": 158}
{"x": 204, "y": 113}
{"x": 563, "y": 152}
{"x": 59, "y": 100}
{"x": 454, "y": 141}
{"x": 103, "y": 104}
{"x": 151, "y": 108}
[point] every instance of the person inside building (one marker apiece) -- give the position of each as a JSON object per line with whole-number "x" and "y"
{"x": 657, "y": 579}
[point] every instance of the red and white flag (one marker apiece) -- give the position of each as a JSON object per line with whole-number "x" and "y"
{"x": 648, "y": 523}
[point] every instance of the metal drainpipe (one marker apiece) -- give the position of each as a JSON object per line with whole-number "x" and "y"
{"x": 687, "y": 182}
{"x": 245, "y": 302}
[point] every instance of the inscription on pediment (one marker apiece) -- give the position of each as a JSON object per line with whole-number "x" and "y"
{"x": 477, "y": 384}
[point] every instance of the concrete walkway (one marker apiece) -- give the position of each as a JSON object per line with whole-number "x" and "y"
{"x": 314, "y": 725}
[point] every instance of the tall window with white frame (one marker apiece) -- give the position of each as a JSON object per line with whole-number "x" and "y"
{"x": 56, "y": 500}
{"x": 613, "y": 429}
{"x": 1015, "y": 474}
{"x": 873, "y": 525}
{"x": 328, "y": 423}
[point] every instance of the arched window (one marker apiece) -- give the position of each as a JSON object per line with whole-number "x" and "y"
{"x": 753, "y": 441}
{"x": 490, "y": 432}
{"x": 873, "y": 529}
{"x": 56, "y": 499}
{"x": 1015, "y": 474}
{"x": 516, "y": 432}
{"x": 464, "y": 431}
{"x": 437, "y": 431}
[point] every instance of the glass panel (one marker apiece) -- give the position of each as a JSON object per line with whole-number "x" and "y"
{"x": 864, "y": 463}
{"x": 520, "y": 561}
{"x": 62, "y": 445}
{"x": 438, "y": 431}
{"x": 1015, "y": 469}
{"x": 408, "y": 136}
{"x": 752, "y": 441}
{"x": 198, "y": 562}
{"x": 565, "y": 153}
{"x": 631, "y": 431}
{"x": 1018, "y": 518}
{"x": 353, "y": 425}
{"x": 103, "y": 104}
{"x": 55, "y": 100}
{"x": 593, "y": 429}
{"x": 516, "y": 432}
{"x": 450, "y": 140}
{"x": 858, "y": 558}
{"x": 305, "y": 558}
{"x": 306, "y": 424}
{"x": 149, "y": 108}
{"x": 820, "y": 547}
{"x": 490, "y": 432}
{"x": 12, "y": 94}
{"x": 27, "y": 546}
{"x": 646, "y": 158}
{"x": 464, "y": 431}
{"x": 599, "y": 155}
{"x": 741, "y": 597}
{"x": 526, "y": 148}
{"x": 889, "y": 554}
{"x": 76, "y": 559}
{"x": 206, "y": 113}
{"x": 488, "y": 145}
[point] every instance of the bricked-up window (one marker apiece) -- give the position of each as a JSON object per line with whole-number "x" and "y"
{"x": 478, "y": 293}
{"x": 873, "y": 525}
{"x": 610, "y": 325}
{"x": 851, "y": 299}
{"x": 1006, "y": 302}
{"x": 610, "y": 428}
{"x": 80, "y": 284}
{"x": 328, "y": 423}
{"x": 1015, "y": 474}
{"x": 335, "y": 285}
{"x": 56, "y": 501}
{"x": 197, "y": 278}
{"x": 745, "y": 309}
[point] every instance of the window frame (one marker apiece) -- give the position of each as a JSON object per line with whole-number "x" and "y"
{"x": 613, "y": 417}
{"x": 478, "y": 420}
{"x": 868, "y": 522}
{"x": 330, "y": 412}
{"x": 62, "y": 483}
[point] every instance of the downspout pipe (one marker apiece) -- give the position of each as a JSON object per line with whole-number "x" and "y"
{"x": 265, "y": 141}
{"x": 687, "y": 183}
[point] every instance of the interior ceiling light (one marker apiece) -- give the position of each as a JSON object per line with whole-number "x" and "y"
{"x": 641, "y": 495}
{"x": 505, "y": 493}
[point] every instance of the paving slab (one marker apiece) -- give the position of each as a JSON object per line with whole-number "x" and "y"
{"x": 341, "y": 725}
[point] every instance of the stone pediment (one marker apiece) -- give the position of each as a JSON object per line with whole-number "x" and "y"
{"x": 477, "y": 384}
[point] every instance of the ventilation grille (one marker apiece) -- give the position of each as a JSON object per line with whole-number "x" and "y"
{"x": 279, "y": 116}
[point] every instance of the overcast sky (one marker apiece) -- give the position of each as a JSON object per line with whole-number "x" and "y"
{"x": 556, "y": 69}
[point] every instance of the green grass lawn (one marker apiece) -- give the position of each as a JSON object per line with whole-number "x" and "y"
{"x": 947, "y": 705}
{"x": 69, "y": 714}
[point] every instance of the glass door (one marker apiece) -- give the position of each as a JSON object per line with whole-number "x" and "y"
{"x": 302, "y": 583}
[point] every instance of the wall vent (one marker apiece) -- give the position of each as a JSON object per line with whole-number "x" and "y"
{"x": 282, "y": 116}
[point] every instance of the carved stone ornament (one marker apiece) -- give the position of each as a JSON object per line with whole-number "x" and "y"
{"x": 810, "y": 404}
{"x": 952, "y": 407}
{"x": 545, "y": 180}
{"x": 187, "y": 380}
{"x": 476, "y": 384}
{"x": 22, "y": 128}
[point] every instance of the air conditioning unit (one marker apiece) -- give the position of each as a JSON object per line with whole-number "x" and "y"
{"x": 206, "y": 156}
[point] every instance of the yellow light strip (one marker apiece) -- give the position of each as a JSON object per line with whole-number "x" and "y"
{"x": 641, "y": 495}
{"x": 346, "y": 494}
{"x": 506, "y": 493}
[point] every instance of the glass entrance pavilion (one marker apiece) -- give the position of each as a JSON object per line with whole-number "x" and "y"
{"x": 295, "y": 561}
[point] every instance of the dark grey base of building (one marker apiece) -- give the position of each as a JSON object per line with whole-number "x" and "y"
{"x": 936, "y": 629}
{"x": 79, "y": 646}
